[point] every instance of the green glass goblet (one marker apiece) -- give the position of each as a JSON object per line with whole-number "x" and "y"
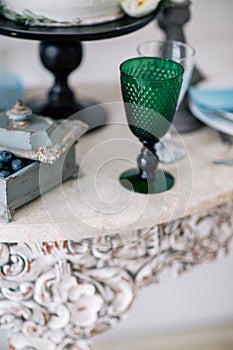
{"x": 150, "y": 88}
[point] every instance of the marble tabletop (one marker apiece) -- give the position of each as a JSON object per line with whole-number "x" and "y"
{"x": 96, "y": 204}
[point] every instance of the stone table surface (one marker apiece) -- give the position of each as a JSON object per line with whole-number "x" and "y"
{"x": 96, "y": 204}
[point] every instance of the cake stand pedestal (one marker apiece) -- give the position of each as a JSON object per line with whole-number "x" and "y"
{"x": 61, "y": 53}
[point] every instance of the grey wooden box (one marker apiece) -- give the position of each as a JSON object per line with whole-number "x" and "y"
{"x": 49, "y": 143}
{"x": 33, "y": 180}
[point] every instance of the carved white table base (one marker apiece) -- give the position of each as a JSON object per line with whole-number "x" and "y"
{"x": 58, "y": 295}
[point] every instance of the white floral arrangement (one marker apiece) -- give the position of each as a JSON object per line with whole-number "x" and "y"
{"x": 138, "y": 8}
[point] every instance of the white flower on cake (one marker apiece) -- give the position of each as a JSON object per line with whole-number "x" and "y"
{"x": 138, "y": 8}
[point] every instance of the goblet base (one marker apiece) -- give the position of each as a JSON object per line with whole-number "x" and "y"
{"x": 131, "y": 180}
{"x": 169, "y": 152}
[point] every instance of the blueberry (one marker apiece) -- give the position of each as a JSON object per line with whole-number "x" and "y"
{"x": 6, "y": 157}
{"x": 17, "y": 164}
{"x": 5, "y": 173}
{"x": 1, "y": 166}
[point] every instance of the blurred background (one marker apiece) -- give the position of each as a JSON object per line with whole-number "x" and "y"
{"x": 195, "y": 310}
{"x": 209, "y": 31}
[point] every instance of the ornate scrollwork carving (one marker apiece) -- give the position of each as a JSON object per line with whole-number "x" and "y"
{"x": 57, "y": 295}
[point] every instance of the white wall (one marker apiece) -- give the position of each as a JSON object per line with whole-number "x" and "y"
{"x": 204, "y": 296}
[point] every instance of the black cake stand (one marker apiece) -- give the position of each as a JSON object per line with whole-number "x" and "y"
{"x": 61, "y": 53}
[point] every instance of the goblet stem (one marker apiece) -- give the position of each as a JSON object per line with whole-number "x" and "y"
{"x": 148, "y": 161}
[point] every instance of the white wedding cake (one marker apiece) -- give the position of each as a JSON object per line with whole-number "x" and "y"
{"x": 73, "y": 12}
{"x": 61, "y": 12}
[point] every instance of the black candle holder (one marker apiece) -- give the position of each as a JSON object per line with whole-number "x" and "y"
{"x": 172, "y": 20}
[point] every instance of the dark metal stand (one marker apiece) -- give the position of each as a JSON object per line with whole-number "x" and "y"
{"x": 60, "y": 58}
{"x": 172, "y": 20}
{"x": 61, "y": 53}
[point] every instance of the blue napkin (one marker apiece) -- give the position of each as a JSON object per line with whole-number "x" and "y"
{"x": 212, "y": 98}
{"x": 11, "y": 89}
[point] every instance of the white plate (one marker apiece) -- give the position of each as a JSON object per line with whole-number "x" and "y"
{"x": 224, "y": 114}
{"x": 212, "y": 119}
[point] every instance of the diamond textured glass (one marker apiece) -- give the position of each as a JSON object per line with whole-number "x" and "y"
{"x": 150, "y": 90}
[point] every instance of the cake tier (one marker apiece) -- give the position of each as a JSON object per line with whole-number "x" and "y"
{"x": 61, "y": 12}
